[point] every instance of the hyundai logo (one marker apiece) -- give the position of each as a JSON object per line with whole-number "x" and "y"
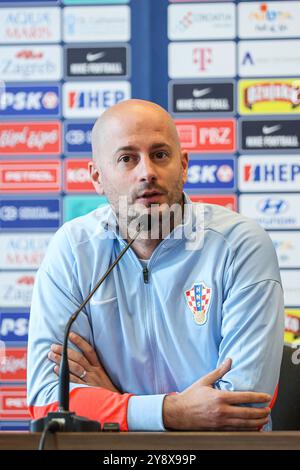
{"x": 272, "y": 206}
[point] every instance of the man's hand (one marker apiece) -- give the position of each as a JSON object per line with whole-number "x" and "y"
{"x": 201, "y": 407}
{"x": 85, "y": 367}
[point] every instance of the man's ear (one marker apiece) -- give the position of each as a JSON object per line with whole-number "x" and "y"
{"x": 95, "y": 175}
{"x": 185, "y": 165}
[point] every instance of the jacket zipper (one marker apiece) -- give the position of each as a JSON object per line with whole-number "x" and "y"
{"x": 149, "y": 320}
{"x": 150, "y": 328}
{"x": 146, "y": 275}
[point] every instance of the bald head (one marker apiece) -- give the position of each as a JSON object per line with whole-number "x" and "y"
{"x": 136, "y": 149}
{"x": 134, "y": 114}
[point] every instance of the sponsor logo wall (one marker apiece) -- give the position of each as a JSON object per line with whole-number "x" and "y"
{"x": 234, "y": 91}
{"x": 62, "y": 63}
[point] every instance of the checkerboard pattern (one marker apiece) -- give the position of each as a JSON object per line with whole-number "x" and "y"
{"x": 198, "y": 298}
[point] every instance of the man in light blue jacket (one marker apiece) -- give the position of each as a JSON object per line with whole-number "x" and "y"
{"x": 186, "y": 332}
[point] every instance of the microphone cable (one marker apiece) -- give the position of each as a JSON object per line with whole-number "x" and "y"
{"x": 51, "y": 427}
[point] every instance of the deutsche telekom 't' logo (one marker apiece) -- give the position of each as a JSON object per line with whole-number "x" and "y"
{"x": 202, "y": 56}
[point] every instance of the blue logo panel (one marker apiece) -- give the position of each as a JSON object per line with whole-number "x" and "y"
{"x": 14, "y": 327}
{"x": 15, "y": 425}
{"x": 77, "y": 138}
{"x": 31, "y": 100}
{"x": 205, "y": 174}
{"x": 30, "y": 214}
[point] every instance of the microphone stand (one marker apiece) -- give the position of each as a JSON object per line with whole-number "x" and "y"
{"x": 63, "y": 419}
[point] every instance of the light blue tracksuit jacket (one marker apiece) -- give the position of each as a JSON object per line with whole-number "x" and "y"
{"x": 159, "y": 329}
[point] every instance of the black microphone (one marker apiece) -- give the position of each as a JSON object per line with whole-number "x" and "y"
{"x": 63, "y": 419}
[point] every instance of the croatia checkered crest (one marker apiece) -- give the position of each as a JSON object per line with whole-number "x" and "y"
{"x": 198, "y": 299}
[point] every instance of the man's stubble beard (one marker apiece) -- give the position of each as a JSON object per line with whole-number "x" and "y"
{"x": 128, "y": 211}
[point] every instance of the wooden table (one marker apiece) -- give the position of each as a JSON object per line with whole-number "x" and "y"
{"x": 276, "y": 440}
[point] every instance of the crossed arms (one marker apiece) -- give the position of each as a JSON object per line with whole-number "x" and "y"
{"x": 199, "y": 407}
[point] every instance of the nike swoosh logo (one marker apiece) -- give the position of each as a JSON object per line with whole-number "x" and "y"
{"x": 199, "y": 93}
{"x": 270, "y": 129}
{"x": 90, "y": 57}
{"x": 101, "y": 302}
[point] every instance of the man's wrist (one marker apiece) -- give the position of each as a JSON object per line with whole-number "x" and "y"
{"x": 170, "y": 411}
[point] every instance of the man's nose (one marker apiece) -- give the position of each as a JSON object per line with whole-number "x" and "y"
{"x": 146, "y": 169}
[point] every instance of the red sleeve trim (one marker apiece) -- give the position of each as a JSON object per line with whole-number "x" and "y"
{"x": 273, "y": 401}
{"x": 95, "y": 403}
